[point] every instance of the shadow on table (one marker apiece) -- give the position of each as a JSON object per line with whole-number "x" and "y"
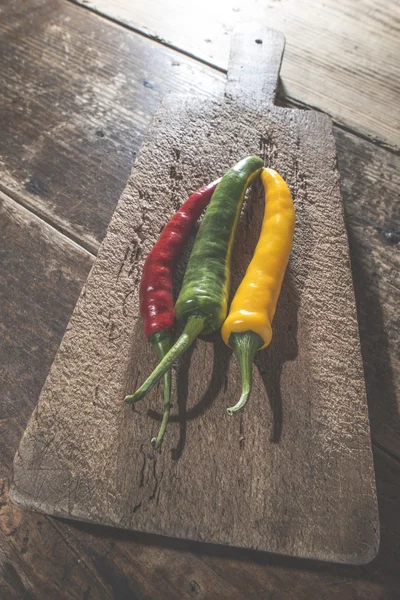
{"x": 373, "y": 251}
{"x": 383, "y": 570}
{"x": 218, "y": 376}
{"x": 375, "y": 349}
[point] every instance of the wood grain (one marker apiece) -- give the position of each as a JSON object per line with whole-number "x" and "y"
{"x": 319, "y": 471}
{"x": 38, "y": 290}
{"x": 341, "y": 57}
{"x": 74, "y": 111}
{"x": 141, "y": 566}
{"x": 41, "y": 276}
{"x": 72, "y": 175}
{"x": 370, "y": 183}
{"x": 46, "y": 558}
{"x": 40, "y": 557}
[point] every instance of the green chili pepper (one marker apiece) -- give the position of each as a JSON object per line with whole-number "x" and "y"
{"x": 202, "y": 304}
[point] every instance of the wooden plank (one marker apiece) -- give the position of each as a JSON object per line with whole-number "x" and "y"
{"x": 357, "y": 164}
{"x": 37, "y": 564}
{"x": 370, "y": 183}
{"x": 110, "y": 564}
{"x": 341, "y": 56}
{"x": 255, "y": 573}
{"x": 142, "y": 566}
{"x": 325, "y": 436}
{"x": 41, "y": 275}
{"x": 250, "y": 572}
{"x": 40, "y": 558}
{"x": 45, "y": 301}
{"x": 77, "y": 96}
{"x": 279, "y": 577}
{"x": 82, "y": 183}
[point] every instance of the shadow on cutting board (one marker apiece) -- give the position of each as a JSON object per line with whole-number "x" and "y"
{"x": 283, "y": 348}
{"x": 381, "y": 571}
{"x": 269, "y": 362}
{"x": 221, "y": 357}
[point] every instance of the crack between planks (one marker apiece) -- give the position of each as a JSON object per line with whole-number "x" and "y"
{"x": 63, "y": 231}
{"x": 150, "y": 36}
{"x": 288, "y": 99}
{"x": 295, "y": 103}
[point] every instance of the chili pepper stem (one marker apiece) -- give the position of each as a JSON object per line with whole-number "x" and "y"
{"x": 193, "y": 328}
{"x": 245, "y": 345}
{"x": 162, "y": 343}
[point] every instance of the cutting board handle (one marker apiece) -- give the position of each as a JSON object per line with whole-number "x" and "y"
{"x": 254, "y": 65}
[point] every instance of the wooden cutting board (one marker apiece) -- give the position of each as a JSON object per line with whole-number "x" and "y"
{"x": 294, "y": 473}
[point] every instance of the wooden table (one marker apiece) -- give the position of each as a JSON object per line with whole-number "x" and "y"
{"x": 80, "y": 82}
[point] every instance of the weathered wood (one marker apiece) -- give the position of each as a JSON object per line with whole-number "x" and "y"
{"x": 303, "y": 487}
{"x": 41, "y": 275}
{"x": 341, "y": 56}
{"x": 79, "y": 140}
{"x": 36, "y": 562}
{"x": 244, "y": 83}
{"x": 255, "y": 574}
{"x": 92, "y": 169}
{"x": 77, "y": 97}
{"x": 111, "y": 564}
{"x": 45, "y": 295}
{"x": 370, "y": 183}
{"x": 141, "y": 566}
{"x": 40, "y": 557}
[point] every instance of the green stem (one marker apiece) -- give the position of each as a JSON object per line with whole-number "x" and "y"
{"x": 162, "y": 343}
{"x": 193, "y": 328}
{"x": 245, "y": 344}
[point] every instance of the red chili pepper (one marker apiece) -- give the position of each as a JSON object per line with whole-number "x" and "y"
{"x": 155, "y": 291}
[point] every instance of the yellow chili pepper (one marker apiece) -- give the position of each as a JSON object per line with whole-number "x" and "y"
{"x": 248, "y": 325}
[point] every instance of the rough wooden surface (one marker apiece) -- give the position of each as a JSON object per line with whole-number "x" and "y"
{"x": 370, "y": 183}
{"x": 117, "y": 564}
{"x": 46, "y": 558}
{"x": 37, "y": 295}
{"x": 341, "y": 56}
{"x": 105, "y": 563}
{"x": 72, "y": 176}
{"x": 74, "y": 112}
{"x": 297, "y": 479}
